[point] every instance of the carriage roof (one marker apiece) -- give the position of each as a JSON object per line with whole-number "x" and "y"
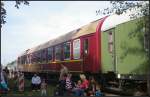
{"x": 84, "y": 30}
{"x": 109, "y": 23}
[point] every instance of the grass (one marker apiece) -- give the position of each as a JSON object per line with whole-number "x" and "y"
{"x": 27, "y": 90}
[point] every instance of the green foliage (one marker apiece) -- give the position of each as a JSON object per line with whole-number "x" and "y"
{"x": 25, "y": 2}
{"x": 120, "y": 7}
{"x": 3, "y": 14}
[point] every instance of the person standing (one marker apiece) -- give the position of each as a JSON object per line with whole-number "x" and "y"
{"x": 3, "y": 84}
{"x": 43, "y": 88}
{"x": 5, "y": 73}
{"x": 63, "y": 71}
{"x": 36, "y": 81}
{"x": 33, "y": 83}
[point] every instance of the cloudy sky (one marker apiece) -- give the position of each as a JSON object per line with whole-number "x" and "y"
{"x": 39, "y": 22}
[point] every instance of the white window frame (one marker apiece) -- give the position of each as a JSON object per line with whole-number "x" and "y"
{"x": 79, "y": 48}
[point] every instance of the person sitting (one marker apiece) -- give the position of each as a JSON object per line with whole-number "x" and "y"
{"x": 98, "y": 91}
{"x": 83, "y": 87}
{"x": 92, "y": 87}
{"x": 61, "y": 87}
{"x": 36, "y": 81}
{"x": 78, "y": 85}
{"x": 69, "y": 84}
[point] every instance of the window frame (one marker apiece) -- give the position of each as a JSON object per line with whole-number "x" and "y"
{"x": 78, "y": 47}
{"x": 43, "y": 55}
{"x": 86, "y": 39}
{"x": 110, "y": 42}
{"x": 51, "y": 54}
{"x": 64, "y": 51}
{"x": 60, "y": 52}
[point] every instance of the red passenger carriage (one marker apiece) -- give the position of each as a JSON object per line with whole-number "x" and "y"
{"x": 79, "y": 50}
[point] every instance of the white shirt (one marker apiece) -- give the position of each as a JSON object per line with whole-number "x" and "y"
{"x": 36, "y": 80}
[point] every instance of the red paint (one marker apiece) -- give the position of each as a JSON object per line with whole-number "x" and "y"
{"x": 92, "y": 53}
{"x": 98, "y": 45}
{"x": 88, "y": 60}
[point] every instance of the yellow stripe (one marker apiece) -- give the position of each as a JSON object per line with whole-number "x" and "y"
{"x": 58, "y": 62}
{"x": 66, "y": 61}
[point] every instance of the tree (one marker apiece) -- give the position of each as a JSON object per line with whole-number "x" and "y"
{"x": 4, "y": 13}
{"x": 120, "y": 7}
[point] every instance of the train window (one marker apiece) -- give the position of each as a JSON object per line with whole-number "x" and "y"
{"x": 67, "y": 50}
{"x": 25, "y": 59}
{"x": 110, "y": 42}
{"x": 43, "y": 55}
{"x": 38, "y": 57}
{"x": 58, "y": 52}
{"x": 28, "y": 59}
{"x": 50, "y": 53}
{"x": 85, "y": 46}
{"x": 35, "y": 57}
{"x": 76, "y": 49}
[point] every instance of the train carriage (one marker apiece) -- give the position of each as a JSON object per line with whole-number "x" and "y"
{"x": 99, "y": 47}
{"x": 122, "y": 53}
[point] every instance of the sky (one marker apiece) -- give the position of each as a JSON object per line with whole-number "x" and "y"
{"x": 41, "y": 21}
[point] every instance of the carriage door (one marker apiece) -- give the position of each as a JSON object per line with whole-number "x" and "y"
{"x": 85, "y": 54}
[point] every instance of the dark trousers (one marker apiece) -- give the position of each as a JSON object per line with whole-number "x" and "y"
{"x": 35, "y": 86}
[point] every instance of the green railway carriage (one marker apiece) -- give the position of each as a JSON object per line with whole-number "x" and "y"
{"x": 123, "y": 53}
